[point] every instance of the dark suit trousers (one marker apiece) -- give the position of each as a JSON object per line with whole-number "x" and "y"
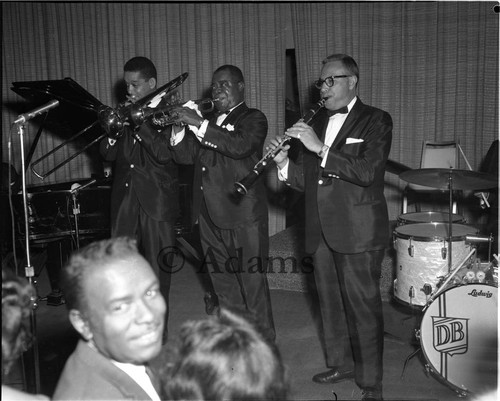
{"x": 237, "y": 261}
{"x": 351, "y": 311}
{"x": 154, "y": 239}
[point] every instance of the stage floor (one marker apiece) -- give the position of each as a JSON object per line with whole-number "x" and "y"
{"x": 297, "y": 337}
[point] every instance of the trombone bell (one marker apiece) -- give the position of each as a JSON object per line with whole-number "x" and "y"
{"x": 111, "y": 121}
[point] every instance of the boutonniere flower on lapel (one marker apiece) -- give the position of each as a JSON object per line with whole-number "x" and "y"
{"x": 229, "y": 127}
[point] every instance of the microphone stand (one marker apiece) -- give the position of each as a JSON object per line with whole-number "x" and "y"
{"x": 76, "y": 212}
{"x": 76, "y": 207}
{"x": 29, "y": 269}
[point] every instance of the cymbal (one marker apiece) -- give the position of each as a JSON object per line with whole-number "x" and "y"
{"x": 460, "y": 179}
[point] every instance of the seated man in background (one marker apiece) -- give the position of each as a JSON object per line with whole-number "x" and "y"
{"x": 114, "y": 302}
{"x": 224, "y": 358}
{"x": 17, "y": 302}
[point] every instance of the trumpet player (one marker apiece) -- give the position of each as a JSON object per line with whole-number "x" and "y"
{"x": 144, "y": 195}
{"x": 341, "y": 171}
{"x": 233, "y": 230}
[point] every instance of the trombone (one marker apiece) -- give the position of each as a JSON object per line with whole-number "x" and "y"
{"x": 112, "y": 121}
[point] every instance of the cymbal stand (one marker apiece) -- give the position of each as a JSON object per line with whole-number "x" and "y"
{"x": 450, "y": 220}
{"x": 29, "y": 269}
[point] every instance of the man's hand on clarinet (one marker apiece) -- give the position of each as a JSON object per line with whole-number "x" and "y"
{"x": 281, "y": 158}
{"x": 305, "y": 134}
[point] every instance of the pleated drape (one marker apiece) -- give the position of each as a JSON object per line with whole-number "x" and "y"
{"x": 432, "y": 66}
{"x": 90, "y": 42}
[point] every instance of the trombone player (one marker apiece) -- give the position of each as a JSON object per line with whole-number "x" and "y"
{"x": 144, "y": 196}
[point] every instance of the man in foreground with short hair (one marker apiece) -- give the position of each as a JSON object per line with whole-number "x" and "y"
{"x": 114, "y": 302}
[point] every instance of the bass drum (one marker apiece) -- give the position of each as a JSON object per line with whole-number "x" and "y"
{"x": 458, "y": 335}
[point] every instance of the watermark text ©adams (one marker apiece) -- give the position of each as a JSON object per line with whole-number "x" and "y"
{"x": 171, "y": 259}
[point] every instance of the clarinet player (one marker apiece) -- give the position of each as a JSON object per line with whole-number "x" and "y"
{"x": 341, "y": 171}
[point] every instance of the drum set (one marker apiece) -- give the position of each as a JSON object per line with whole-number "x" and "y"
{"x": 438, "y": 274}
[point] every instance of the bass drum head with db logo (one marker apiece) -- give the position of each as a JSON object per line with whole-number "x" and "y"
{"x": 458, "y": 334}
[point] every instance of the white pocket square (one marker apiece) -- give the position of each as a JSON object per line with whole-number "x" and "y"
{"x": 353, "y": 140}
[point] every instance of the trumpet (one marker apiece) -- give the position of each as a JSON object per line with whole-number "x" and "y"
{"x": 113, "y": 120}
{"x": 242, "y": 186}
{"x": 167, "y": 115}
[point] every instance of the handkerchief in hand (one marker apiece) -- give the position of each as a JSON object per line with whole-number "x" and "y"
{"x": 353, "y": 140}
{"x": 192, "y": 105}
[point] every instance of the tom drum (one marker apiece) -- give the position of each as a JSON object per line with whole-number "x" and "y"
{"x": 429, "y": 217}
{"x": 422, "y": 258}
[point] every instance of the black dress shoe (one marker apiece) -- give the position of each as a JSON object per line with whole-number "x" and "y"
{"x": 334, "y": 375}
{"x": 371, "y": 394}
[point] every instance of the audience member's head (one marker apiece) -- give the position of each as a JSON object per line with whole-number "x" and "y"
{"x": 114, "y": 300}
{"x": 17, "y": 302}
{"x": 224, "y": 358}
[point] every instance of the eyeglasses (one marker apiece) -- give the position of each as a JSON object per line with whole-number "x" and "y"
{"x": 329, "y": 81}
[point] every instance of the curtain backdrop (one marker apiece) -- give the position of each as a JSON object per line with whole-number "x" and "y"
{"x": 90, "y": 42}
{"x": 432, "y": 65}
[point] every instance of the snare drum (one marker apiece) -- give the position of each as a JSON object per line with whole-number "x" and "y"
{"x": 429, "y": 217}
{"x": 422, "y": 258}
{"x": 458, "y": 335}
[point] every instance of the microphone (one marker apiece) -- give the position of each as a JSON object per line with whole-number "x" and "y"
{"x": 22, "y": 118}
{"x": 77, "y": 187}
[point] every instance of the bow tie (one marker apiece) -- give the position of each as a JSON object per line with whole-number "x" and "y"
{"x": 342, "y": 110}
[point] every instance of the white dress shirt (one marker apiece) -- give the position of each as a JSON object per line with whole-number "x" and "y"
{"x": 334, "y": 125}
{"x": 138, "y": 373}
{"x": 202, "y": 129}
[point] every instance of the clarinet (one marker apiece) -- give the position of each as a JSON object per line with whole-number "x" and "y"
{"x": 244, "y": 185}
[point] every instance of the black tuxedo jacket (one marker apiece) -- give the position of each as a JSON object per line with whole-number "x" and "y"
{"x": 345, "y": 200}
{"x": 148, "y": 168}
{"x": 225, "y": 156}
